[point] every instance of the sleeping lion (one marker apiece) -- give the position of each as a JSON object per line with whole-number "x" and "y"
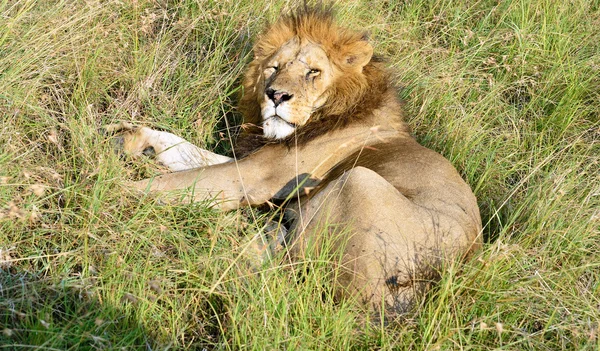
{"x": 330, "y": 145}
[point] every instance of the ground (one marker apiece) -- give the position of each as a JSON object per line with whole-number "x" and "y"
{"x": 508, "y": 91}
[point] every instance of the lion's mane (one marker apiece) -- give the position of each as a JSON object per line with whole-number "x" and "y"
{"x": 353, "y": 96}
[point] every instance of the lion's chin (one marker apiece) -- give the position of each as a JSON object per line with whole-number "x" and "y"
{"x": 275, "y": 127}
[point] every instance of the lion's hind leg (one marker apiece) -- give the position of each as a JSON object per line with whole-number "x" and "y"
{"x": 391, "y": 252}
{"x": 172, "y": 151}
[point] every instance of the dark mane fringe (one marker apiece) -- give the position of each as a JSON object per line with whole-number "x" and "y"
{"x": 246, "y": 143}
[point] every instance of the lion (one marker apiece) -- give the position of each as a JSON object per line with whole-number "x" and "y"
{"x": 330, "y": 145}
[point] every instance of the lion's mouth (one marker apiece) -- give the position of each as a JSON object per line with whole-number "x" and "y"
{"x": 279, "y": 118}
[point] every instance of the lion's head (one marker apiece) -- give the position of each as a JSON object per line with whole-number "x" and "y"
{"x": 309, "y": 74}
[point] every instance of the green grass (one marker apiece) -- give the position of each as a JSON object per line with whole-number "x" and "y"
{"x": 509, "y": 91}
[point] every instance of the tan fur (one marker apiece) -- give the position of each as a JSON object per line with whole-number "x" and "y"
{"x": 352, "y": 163}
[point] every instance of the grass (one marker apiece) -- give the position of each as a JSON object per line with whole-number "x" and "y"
{"x": 509, "y": 91}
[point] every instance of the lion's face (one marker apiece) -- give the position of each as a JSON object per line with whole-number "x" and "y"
{"x": 305, "y": 70}
{"x": 296, "y": 79}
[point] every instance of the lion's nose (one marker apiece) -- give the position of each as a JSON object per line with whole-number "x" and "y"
{"x": 278, "y": 96}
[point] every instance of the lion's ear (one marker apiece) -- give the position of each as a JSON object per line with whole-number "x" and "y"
{"x": 357, "y": 54}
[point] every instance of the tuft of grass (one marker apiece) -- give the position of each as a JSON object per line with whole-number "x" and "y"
{"x": 508, "y": 91}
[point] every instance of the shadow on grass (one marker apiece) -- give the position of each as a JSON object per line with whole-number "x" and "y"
{"x": 39, "y": 313}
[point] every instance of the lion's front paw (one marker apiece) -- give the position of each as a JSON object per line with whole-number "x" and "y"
{"x": 129, "y": 139}
{"x": 171, "y": 151}
{"x": 116, "y": 132}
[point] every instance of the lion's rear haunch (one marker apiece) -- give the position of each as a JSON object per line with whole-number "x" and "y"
{"x": 324, "y": 111}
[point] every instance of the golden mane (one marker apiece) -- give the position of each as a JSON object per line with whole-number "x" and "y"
{"x": 353, "y": 96}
